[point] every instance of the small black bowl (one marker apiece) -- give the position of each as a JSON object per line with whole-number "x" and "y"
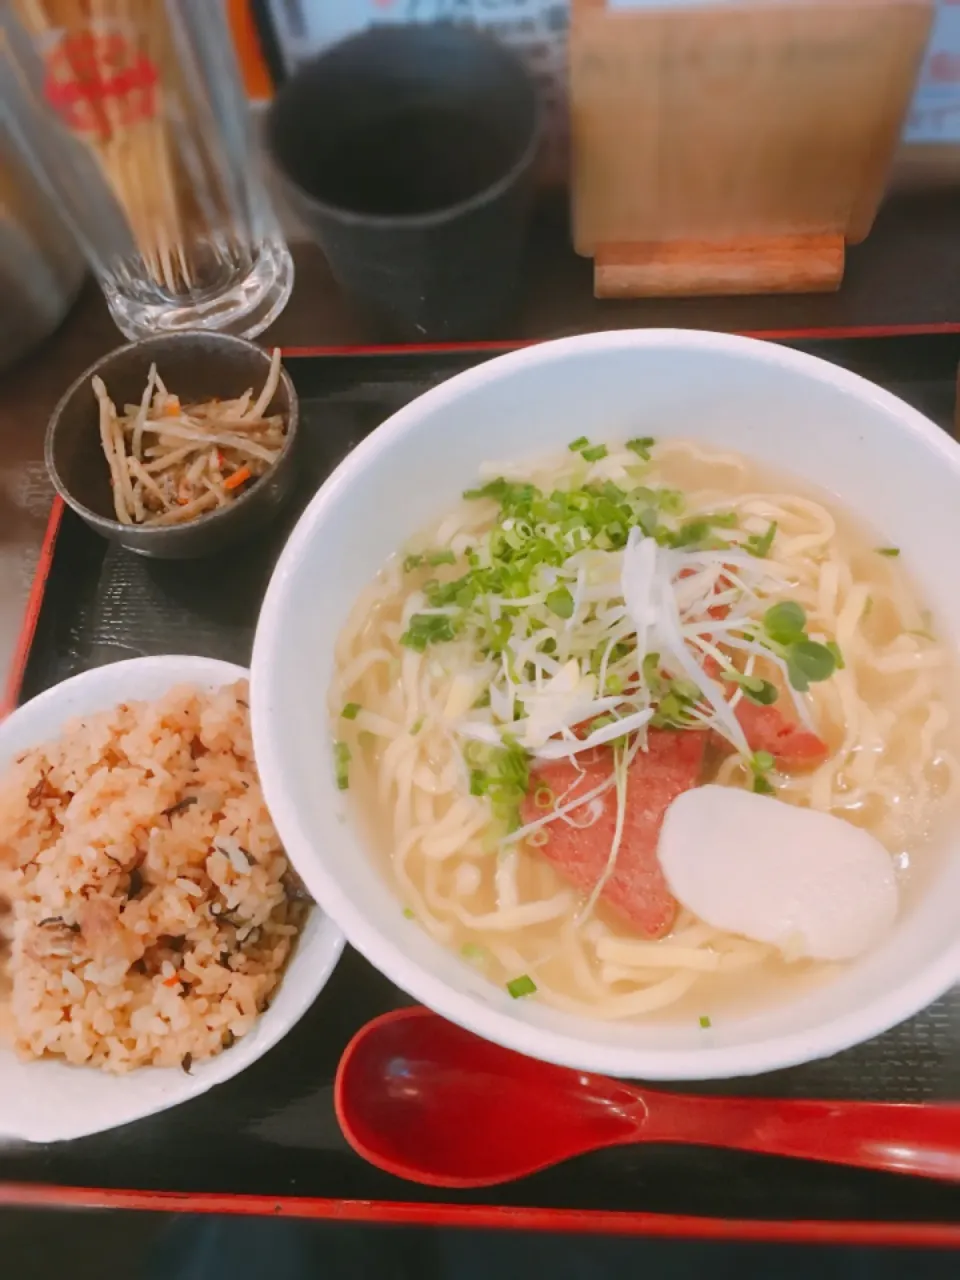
{"x": 195, "y": 366}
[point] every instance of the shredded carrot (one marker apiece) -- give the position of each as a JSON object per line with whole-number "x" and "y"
{"x": 172, "y": 981}
{"x": 239, "y": 477}
{"x": 169, "y": 460}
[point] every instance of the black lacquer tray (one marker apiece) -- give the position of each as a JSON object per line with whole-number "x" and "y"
{"x": 268, "y": 1140}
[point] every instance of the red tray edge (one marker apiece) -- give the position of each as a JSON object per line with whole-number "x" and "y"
{"x": 403, "y": 1213}
{"x": 925, "y": 329}
{"x": 28, "y": 626}
{"x": 37, "y": 1195}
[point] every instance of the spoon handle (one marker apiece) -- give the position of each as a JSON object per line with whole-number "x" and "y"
{"x": 897, "y": 1137}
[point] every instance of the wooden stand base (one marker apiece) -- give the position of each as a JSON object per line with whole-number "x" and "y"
{"x": 688, "y": 268}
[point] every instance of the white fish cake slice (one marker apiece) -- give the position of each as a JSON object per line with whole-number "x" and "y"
{"x": 806, "y": 882}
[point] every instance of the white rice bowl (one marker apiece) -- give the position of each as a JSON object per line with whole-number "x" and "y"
{"x": 48, "y": 1099}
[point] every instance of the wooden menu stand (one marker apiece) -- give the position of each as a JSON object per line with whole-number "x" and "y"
{"x": 735, "y": 150}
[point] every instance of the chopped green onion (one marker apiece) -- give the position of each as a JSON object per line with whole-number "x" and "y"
{"x": 614, "y": 684}
{"x": 502, "y": 774}
{"x": 671, "y": 502}
{"x": 581, "y": 442}
{"x": 560, "y": 602}
{"x": 594, "y": 453}
{"x": 416, "y": 726}
{"x": 694, "y": 533}
{"x": 785, "y": 622}
{"x": 543, "y": 797}
{"x": 441, "y": 557}
{"x": 601, "y": 722}
{"x": 649, "y": 521}
{"x": 498, "y": 638}
{"x": 705, "y": 1022}
{"x": 412, "y": 562}
{"x": 503, "y": 491}
{"x": 427, "y": 628}
{"x": 471, "y": 951}
{"x": 341, "y": 761}
{"x": 890, "y": 552}
{"x": 351, "y": 711}
{"x": 522, "y": 986}
{"x": 759, "y": 544}
{"x": 460, "y": 592}
{"x": 408, "y": 913}
{"x": 642, "y": 446}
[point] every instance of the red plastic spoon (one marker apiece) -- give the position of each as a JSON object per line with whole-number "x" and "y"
{"x": 421, "y": 1098}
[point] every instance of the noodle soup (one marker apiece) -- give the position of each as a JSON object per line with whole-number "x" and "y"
{"x": 526, "y": 692}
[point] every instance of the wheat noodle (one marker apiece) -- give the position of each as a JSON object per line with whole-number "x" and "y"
{"x": 892, "y": 766}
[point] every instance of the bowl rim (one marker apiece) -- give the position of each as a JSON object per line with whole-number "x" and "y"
{"x": 108, "y": 525}
{"x": 177, "y": 1087}
{"x": 496, "y": 1023}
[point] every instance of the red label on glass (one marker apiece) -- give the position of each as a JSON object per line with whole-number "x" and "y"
{"x": 98, "y": 82}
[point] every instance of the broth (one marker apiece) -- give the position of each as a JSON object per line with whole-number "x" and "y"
{"x": 887, "y": 718}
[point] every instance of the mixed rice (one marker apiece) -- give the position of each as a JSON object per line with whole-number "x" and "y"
{"x": 146, "y": 907}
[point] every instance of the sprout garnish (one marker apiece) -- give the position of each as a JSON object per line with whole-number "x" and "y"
{"x": 595, "y": 611}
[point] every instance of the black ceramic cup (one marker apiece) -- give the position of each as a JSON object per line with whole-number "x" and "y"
{"x": 408, "y": 151}
{"x": 196, "y": 366}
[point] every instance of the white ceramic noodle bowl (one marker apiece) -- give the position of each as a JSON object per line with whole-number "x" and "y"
{"x": 882, "y": 461}
{"x": 49, "y": 1101}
